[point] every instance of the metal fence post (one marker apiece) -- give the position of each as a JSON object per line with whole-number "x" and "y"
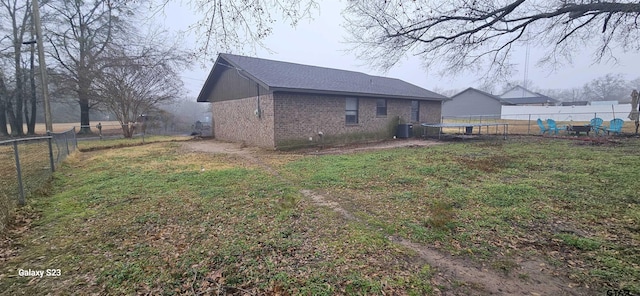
{"x": 51, "y": 163}
{"x": 19, "y": 171}
{"x": 529, "y": 125}
{"x": 66, "y": 143}
{"x": 75, "y": 140}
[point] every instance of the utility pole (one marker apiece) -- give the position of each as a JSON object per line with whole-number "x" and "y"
{"x": 43, "y": 67}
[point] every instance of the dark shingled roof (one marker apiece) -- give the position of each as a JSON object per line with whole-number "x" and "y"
{"x": 575, "y": 103}
{"x": 283, "y": 76}
{"x": 529, "y": 100}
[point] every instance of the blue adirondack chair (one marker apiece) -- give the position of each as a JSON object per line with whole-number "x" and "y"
{"x": 615, "y": 126}
{"x": 596, "y": 125}
{"x": 543, "y": 129}
{"x": 553, "y": 128}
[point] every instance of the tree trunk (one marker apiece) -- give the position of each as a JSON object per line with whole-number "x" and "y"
{"x": 3, "y": 119}
{"x": 18, "y": 119}
{"x": 85, "y": 128}
{"x": 31, "y": 121}
{"x": 15, "y": 115}
{"x": 16, "y": 128}
{"x": 85, "y": 104}
{"x": 128, "y": 129}
{"x": 3, "y": 108}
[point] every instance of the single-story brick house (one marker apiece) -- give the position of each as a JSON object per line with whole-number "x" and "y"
{"x": 276, "y": 104}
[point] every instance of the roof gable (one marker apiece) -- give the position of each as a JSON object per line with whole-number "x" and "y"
{"x": 518, "y": 92}
{"x": 519, "y": 95}
{"x": 471, "y": 89}
{"x": 284, "y": 76}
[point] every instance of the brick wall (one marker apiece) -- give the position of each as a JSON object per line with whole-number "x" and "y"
{"x": 430, "y": 111}
{"x": 299, "y": 117}
{"x": 290, "y": 119}
{"x": 236, "y": 121}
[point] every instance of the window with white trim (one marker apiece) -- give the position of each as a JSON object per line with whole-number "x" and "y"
{"x": 381, "y": 107}
{"x": 415, "y": 111}
{"x": 351, "y": 111}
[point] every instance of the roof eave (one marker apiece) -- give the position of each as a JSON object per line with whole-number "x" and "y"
{"x": 356, "y": 94}
{"x": 208, "y": 84}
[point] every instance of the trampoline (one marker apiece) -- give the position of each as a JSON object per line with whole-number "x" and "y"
{"x": 469, "y": 127}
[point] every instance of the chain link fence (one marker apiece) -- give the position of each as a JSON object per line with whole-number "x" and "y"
{"x": 141, "y": 130}
{"x": 26, "y": 164}
{"x": 525, "y": 124}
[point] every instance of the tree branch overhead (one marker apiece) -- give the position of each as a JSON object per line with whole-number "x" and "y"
{"x": 465, "y": 33}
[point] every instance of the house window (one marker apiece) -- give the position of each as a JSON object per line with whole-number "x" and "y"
{"x": 381, "y": 107}
{"x": 351, "y": 111}
{"x": 415, "y": 111}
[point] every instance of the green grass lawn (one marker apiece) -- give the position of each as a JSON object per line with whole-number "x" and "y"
{"x": 575, "y": 205}
{"x": 157, "y": 219}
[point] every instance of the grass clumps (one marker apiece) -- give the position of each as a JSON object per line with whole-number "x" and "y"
{"x": 442, "y": 215}
{"x": 157, "y": 220}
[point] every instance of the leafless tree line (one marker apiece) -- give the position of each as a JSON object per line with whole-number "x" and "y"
{"x": 90, "y": 42}
{"x": 87, "y": 43}
{"x": 99, "y": 57}
{"x": 481, "y": 35}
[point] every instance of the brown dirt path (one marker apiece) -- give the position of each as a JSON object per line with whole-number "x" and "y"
{"x": 458, "y": 276}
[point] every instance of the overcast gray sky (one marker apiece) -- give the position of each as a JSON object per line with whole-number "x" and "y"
{"x": 320, "y": 42}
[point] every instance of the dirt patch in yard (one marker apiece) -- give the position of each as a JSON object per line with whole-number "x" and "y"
{"x": 461, "y": 276}
{"x": 527, "y": 277}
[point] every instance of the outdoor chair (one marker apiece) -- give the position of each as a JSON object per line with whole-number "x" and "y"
{"x": 543, "y": 129}
{"x": 615, "y": 126}
{"x": 596, "y": 125}
{"x": 553, "y": 128}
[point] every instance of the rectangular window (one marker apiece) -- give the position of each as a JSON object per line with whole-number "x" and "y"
{"x": 415, "y": 111}
{"x": 351, "y": 111}
{"x": 381, "y": 107}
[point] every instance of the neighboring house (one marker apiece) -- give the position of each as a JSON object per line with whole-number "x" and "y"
{"x": 275, "y": 104}
{"x": 472, "y": 102}
{"x": 521, "y": 96}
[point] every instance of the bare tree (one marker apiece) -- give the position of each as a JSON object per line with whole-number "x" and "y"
{"x": 227, "y": 25}
{"x": 80, "y": 33}
{"x": 565, "y": 94}
{"x": 4, "y": 97}
{"x": 611, "y": 87}
{"x": 18, "y": 15}
{"x": 488, "y": 86}
{"x": 634, "y": 84}
{"x": 482, "y": 34}
{"x": 136, "y": 81}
